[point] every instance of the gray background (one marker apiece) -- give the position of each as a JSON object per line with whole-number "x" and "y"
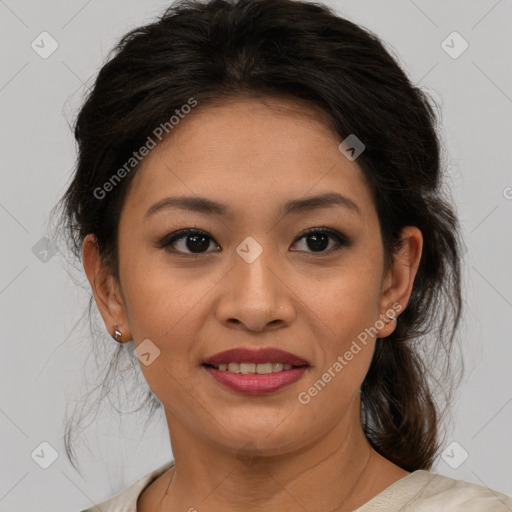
{"x": 44, "y": 346}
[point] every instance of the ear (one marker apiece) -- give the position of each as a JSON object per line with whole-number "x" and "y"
{"x": 105, "y": 288}
{"x": 398, "y": 283}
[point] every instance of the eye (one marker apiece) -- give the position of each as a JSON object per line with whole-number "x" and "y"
{"x": 194, "y": 240}
{"x": 317, "y": 239}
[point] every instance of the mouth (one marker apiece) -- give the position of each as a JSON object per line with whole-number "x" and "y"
{"x": 248, "y": 356}
{"x": 255, "y": 372}
{"x": 253, "y": 368}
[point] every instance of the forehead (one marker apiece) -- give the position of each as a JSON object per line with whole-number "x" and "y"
{"x": 250, "y": 153}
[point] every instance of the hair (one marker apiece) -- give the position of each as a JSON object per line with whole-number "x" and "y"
{"x": 220, "y": 50}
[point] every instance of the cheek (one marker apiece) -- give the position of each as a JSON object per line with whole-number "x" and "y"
{"x": 159, "y": 299}
{"x": 347, "y": 301}
{"x": 347, "y": 340}
{"x": 346, "y": 308}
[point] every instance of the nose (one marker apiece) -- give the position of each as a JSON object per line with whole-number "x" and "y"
{"x": 255, "y": 296}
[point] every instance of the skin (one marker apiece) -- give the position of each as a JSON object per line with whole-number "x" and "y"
{"x": 193, "y": 306}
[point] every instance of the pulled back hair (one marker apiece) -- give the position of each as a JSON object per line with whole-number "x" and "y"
{"x": 218, "y": 50}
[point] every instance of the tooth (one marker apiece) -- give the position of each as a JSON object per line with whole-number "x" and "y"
{"x": 264, "y": 368}
{"x": 234, "y": 367}
{"x": 247, "y": 367}
{"x": 251, "y": 368}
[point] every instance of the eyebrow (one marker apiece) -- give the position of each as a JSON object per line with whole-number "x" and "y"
{"x": 294, "y": 206}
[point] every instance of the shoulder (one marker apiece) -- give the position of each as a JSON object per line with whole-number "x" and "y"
{"x": 126, "y": 501}
{"x": 460, "y": 495}
{"x": 423, "y": 491}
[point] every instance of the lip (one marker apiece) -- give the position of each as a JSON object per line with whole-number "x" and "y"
{"x": 261, "y": 355}
{"x": 257, "y": 384}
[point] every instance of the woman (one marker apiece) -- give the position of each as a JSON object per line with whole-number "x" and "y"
{"x": 258, "y": 205}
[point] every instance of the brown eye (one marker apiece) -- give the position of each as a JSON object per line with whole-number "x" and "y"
{"x": 318, "y": 240}
{"x": 196, "y": 242}
{"x": 187, "y": 241}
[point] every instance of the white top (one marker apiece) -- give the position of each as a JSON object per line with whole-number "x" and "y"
{"x": 420, "y": 491}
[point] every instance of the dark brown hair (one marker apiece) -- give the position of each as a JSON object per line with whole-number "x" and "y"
{"x": 221, "y": 49}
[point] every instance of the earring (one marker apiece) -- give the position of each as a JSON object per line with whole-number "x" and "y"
{"x": 388, "y": 323}
{"x": 117, "y": 334}
{"x": 389, "y": 318}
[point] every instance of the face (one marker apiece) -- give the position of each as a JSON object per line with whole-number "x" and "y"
{"x": 251, "y": 273}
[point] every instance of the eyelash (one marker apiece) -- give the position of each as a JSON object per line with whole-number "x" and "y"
{"x": 168, "y": 240}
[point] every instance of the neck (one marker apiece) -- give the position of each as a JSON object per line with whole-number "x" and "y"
{"x": 338, "y": 472}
